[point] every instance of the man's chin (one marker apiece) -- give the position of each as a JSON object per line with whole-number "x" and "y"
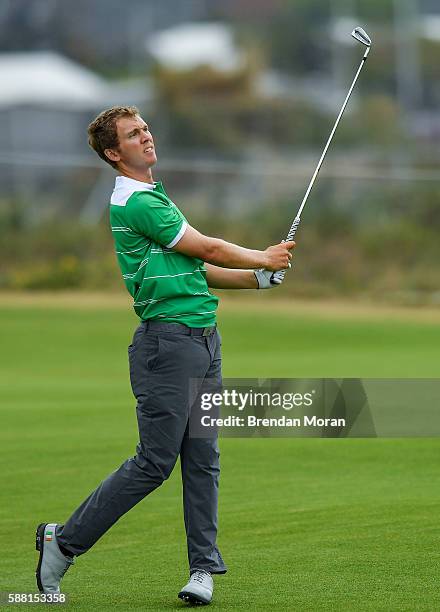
{"x": 151, "y": 160}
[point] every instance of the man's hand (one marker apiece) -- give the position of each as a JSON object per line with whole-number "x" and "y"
{"x": 263, "y": 278}
{"x": 278, "y": 256}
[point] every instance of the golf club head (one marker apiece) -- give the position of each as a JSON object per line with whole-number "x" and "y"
{"x": 361, "y": 35}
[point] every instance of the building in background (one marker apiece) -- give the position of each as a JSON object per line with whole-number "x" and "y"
{"x": 46, "y": 103}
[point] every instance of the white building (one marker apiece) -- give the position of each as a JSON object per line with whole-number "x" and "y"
{"x": 46, "y": 104}
{"x": 47, "y": 100}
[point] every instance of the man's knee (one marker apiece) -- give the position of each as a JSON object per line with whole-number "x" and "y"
{"x": 156, "y": 465}
{"x": 203, "y": 455}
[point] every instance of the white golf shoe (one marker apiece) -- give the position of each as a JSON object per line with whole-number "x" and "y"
{"x": 199, "y": 588}
{"x": 52, "y": 564}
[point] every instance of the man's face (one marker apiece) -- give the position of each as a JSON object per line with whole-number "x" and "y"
{"x": 136, "y": 146}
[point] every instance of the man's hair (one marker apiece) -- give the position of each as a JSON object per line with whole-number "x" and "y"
{"x": 102, "y": 131}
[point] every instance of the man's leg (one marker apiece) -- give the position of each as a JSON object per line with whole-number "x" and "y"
{"x": 161, "y": 366}
{"x": 200, "y": 468}
{"x": 200, "y": 474}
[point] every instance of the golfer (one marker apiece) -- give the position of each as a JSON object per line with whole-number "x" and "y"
{"x": 168, "y": 267}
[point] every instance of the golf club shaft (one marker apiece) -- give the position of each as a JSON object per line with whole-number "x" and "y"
{"x": 278, "y": 277}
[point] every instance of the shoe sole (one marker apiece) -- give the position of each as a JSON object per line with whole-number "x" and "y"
{"x": 193, "y": 599}
{"x": 39, "y": 545}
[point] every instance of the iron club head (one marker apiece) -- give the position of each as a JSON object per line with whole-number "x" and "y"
{"x": 361, "y": 35}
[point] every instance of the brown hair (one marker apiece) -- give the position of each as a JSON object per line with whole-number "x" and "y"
{"x": 102, "y": 131}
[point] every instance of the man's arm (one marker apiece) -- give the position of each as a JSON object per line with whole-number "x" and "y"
{"x": 224, "y": 278}
{"x": 227, "y": 255}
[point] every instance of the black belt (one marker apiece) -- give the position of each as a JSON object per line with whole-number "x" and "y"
{"x": 178, "y": 328}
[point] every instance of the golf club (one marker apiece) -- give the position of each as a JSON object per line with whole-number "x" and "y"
{"x": 360, "y": 35}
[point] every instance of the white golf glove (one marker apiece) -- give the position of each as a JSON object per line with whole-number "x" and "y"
{"x": 263, "y": 279}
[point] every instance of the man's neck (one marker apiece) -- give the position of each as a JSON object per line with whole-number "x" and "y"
{"x": 144, "y": 177}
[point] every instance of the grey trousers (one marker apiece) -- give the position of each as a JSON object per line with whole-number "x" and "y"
{"x": 163, "y": 360}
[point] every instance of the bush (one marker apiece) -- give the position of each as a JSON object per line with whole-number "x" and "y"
{"x": 338, "y": 253}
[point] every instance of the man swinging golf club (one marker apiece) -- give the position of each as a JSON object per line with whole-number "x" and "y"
{"x": 168, "y": 268}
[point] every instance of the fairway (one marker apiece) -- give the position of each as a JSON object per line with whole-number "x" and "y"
{"x": 305, "y": 525}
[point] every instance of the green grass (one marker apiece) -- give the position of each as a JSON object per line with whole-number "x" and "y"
{"x": 305, "y": 524}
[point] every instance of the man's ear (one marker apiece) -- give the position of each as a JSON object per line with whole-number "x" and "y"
{"x": 112, "y": 154}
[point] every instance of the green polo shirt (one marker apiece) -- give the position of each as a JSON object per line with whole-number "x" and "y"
{"x": 165, "y": 285}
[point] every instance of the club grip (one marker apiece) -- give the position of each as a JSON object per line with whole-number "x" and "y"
{"x": 278, "y": 277}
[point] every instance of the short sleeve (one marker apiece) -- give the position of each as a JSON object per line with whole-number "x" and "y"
{"x": 151, "y": 215}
